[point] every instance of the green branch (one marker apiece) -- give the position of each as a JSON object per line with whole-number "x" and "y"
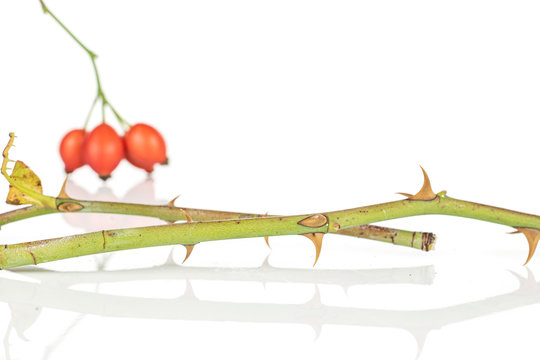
{"x": 195, "y": 232}
{"x": 314, "y": 226}
{"x": 172, "y": 214}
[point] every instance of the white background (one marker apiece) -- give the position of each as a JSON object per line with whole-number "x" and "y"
{"x": 287, "y": 107}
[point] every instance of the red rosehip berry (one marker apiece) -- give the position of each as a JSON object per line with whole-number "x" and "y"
{"x": 145, "y": 147}
{"x": 71, "y": 150}
{"x": 103, "y": 150}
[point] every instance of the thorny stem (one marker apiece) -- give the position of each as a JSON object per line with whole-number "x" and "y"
{"x": 100, "y": 93}
{"x": 172, "y": 214}
{"x": 313, "y": 226}
{"x": 169, "y": 213}
{"x": 195, "y": 232}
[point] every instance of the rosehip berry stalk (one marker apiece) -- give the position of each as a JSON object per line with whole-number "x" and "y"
{"x": 26, "y": 189}
{"x": 100, "y": 95}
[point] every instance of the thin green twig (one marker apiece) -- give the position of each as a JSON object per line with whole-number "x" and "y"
{"x": 93, "y": 56}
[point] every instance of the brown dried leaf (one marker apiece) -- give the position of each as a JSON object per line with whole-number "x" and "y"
{"x": 24, "y": 176}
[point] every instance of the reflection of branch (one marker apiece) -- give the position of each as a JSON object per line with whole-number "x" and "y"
{"x": 195, "y": 309}
{"x": 422, "y": 275}
{"x": 6, "y": 340}
{"x": 418, "y": 322}
{"x": 51, "y": 347}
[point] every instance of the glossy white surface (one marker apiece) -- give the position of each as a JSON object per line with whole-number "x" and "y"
{"x": 286, "y": 107}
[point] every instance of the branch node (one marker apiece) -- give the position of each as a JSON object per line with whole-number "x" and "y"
{"x": 314, "y": 221}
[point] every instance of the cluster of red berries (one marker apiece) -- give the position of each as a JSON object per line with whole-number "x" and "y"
{"x": 103, "y": 149}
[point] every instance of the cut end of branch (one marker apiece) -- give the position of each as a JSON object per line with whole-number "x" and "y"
{"x": 425, "y": 193}
{"x": 428, "y": 241}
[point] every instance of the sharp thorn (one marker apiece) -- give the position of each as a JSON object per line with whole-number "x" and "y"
{"x": 316, "y": 238}
{"x": 405, "y": 194}
{"x": 425, "y": 193}
{"x": 63, "y": 194}
{"x": 533, "y": 236}
{"x": 266, "y": 237}
{"x": 188, "y": 218}
{"x": 189, "y": 249}
{"x": 171, "y": 203}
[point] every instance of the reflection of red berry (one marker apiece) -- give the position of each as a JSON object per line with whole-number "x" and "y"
{"x": 71, "y": 149}
{"x": 145, "y": 147}
{"x": 103, "y": 150}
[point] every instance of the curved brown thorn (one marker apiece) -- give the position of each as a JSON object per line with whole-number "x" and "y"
{"x": 266, "y": 237}
{"x": 189, "y": 249}
{"x": 533, "y": 236}
{"x": 63, "y": 194}
{"x": 171, "y": 203}
{"x": 188, "y": 218}
{"x": 67, "y": 206}
{"x": 317, "y": 241}
{"x": 425, "y": 193}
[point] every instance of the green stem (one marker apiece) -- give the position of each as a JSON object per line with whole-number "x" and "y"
{"x": 441, "y": 205}
{"x": 172, "y": 214}
{"x": 63, "y": 203}
{"x": 90, "y": 112}
{"x": 100, "y": 93}
{"x": 196, "y": 232}
{"x": 47, "y": 11}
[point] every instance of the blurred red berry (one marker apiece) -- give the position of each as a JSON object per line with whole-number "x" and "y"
{"x": 103, "y": 149}
{"x": 71, "y": 150}
{"x": 145, "y": 147}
